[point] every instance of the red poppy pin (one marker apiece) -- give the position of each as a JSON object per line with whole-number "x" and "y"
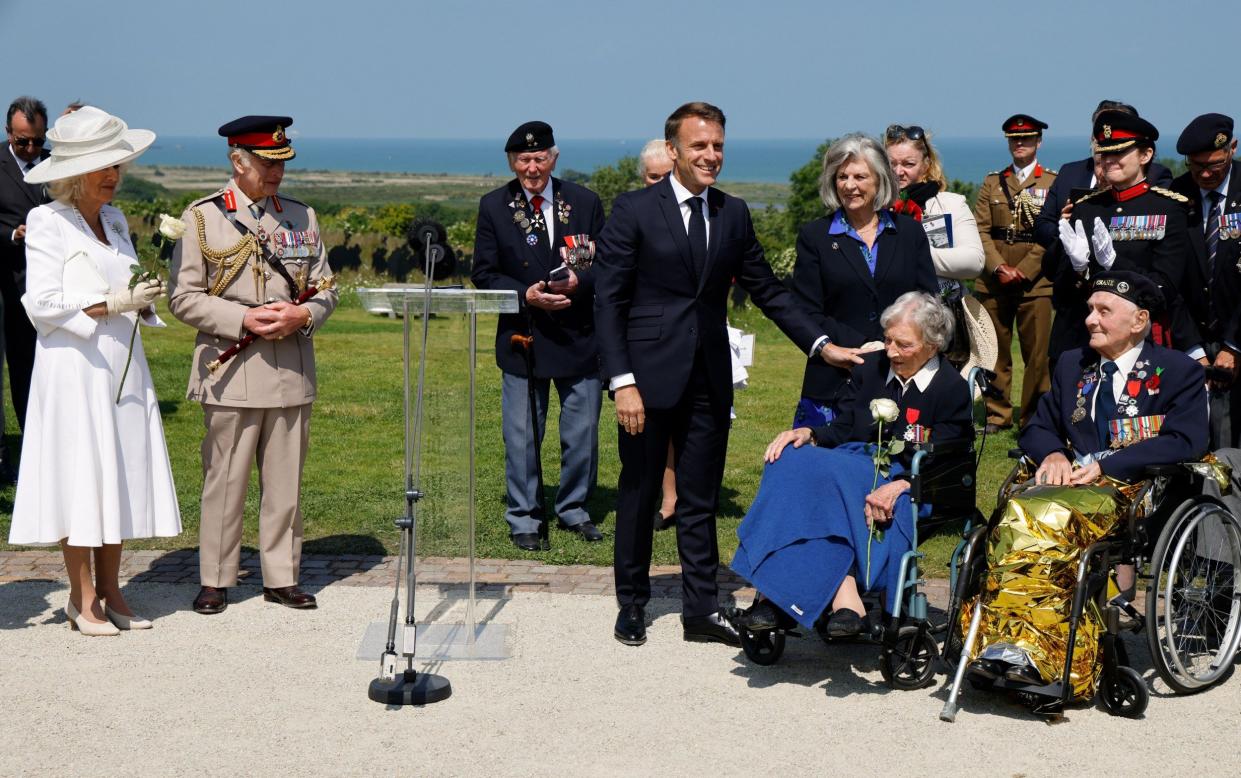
{"x": 911, "y": 415}
{"x": 1152, "y": 383}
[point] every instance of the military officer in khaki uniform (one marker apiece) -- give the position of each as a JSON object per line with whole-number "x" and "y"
{"x": 247, "y": 255}
{"x": 1012, "y": 287}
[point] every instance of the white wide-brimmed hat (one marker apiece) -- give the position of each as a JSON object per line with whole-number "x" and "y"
{"x": 88, "y": 140}
{"x": 984, "y": 345}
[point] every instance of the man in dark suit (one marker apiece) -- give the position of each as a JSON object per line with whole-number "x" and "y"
{"x": 524, "y": 230}
{"x": 26, "y": 125}
{"x": 667, "y": 257}
{"x": 1121, "y": 403}
{"x": 1212, "y": 289}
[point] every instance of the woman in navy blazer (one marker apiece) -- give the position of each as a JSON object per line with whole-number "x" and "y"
{"x": 853, "y": 264}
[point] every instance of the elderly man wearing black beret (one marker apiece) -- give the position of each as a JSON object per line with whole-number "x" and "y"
{"x": 1212, "y": 291}
{"x": 525, "y": 229}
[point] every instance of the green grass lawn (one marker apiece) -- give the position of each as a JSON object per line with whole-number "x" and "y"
{"x": 353, "y": 485}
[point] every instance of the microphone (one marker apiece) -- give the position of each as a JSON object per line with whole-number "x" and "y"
{"x": 437, "y": 255}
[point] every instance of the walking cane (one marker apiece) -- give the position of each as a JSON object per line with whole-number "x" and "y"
{"x": 526, "y": 344}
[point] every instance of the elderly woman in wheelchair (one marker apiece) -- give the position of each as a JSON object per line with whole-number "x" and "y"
{"x": 826, "y": 525}
{"x": 1040, "y": 620}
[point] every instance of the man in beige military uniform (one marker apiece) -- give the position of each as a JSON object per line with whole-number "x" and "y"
{"x": 1012, "y": 287}
{"x": 247, "y": 255}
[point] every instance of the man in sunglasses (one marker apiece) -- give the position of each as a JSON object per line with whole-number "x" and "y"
{"x": 1213, "y": 284}
{"x": 26, "y": 125}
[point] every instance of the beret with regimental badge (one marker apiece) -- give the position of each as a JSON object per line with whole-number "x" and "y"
{"x": 1134, "y": 287}
{"x": 531, "y": 136}
{"x": 263, "y": 136}
{"x": 1208, "y": 132}
{"x": 1022, "y": 125}
{"x": 1118, "y": 131}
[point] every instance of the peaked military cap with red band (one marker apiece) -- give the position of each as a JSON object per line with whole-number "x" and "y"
{"x": 1118, "y": 130}
{"x": 263, "y": 136}
{"x": 1022, "y": 126}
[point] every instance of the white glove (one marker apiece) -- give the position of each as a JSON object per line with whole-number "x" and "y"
{"x": 1104, "y": 251}
{"x": 1073, "y": 238}
{"x": 143, "y": 294}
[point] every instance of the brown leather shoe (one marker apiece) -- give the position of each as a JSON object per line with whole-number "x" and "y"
{"x": 290, "y": 597}
{"x": 211, "y": 600}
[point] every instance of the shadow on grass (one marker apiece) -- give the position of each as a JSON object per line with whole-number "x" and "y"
{"x": 364, "y": 545}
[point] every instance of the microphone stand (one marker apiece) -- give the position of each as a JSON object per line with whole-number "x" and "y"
{"x": 411, "y": 687}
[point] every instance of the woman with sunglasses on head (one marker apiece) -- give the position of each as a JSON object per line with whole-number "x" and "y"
{"x": 851, "y": 265}
{"x": 1125, "y": 224}
{"x": 956, "y": 247}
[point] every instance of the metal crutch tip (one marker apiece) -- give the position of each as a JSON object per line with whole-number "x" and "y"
{"x": 949, "y": 713}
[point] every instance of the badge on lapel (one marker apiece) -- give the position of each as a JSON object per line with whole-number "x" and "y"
{"x": 915, "y": 432}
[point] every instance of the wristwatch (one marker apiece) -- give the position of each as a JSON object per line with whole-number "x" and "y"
{"x": 818, "y": 352}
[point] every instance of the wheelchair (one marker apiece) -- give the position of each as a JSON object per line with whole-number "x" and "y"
{"x": 1186, "y": 549}
{"x": 942, "y": 474}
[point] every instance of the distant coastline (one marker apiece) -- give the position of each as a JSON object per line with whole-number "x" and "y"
{"x": 758, "y": 161}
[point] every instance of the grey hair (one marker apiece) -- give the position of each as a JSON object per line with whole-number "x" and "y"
{"x": 924, "y": 311}
{"x": 651, "y": 151}
{"x": 237, "y": 153}
{"x": 553, "y": 152}
{"x": 70, "y": 190}
{"x": 857, "y": 146}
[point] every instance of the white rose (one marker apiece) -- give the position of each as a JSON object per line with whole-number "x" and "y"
{"x": 171, "y": 228}
{"x": 882, "y": 409}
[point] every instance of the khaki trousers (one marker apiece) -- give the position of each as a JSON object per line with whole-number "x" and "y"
{"x": 276, "y": 439}
{"x": 1033, "y": 319}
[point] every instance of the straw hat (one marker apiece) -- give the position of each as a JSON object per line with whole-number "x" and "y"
{"x": 984, "y": 347}
{"x": 88, "y": 140}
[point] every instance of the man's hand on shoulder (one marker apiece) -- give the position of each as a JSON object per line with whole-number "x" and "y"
{"x": 839, "y": 356}
{"x": 19, "y": 233}
{"x": 536, "y": 297}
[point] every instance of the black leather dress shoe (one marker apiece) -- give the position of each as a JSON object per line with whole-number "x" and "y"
{"x": 589, "y": 532}
{"x": 1023, "y": 674}
{"x": 763, "y": 616}
{"x": 290, "y": 597}
{"x": 845, "y": 623}
{"x": 662, "y": 523}
{"x": 211, "y": 600}
{"x": 526, "y": 541}
{"x": 985, "y": 671}
{"x": 713, "y": 628}
{"x": 631, "y": 625}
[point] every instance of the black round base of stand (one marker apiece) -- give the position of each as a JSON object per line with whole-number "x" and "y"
{"x": 410, "y": 688}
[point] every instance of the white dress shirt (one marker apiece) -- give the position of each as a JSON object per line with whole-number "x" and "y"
{"x": 1022, "y": 174}
{"x": 548, "y": 195}
{"x": 920, "y": 379}
{"x": 1124, "y": 364}
{"x": 683, "y": 197}
{"x": 24, "y": 167}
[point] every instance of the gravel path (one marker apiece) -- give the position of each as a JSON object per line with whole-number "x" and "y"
{"x": 264, "y": 690}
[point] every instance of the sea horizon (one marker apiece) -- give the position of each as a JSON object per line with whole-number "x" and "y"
{"x": 746, "y": 160}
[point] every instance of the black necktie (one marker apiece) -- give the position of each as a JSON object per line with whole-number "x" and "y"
{"x": 1105, "y": 404}
{"x": 697, "y": 235}
{"x": 1213, "y": 229}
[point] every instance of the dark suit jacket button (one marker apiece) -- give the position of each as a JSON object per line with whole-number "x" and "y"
{"x": 691, "y": 331}
{"x": 525, "y": 264}
{"x": 873, "y": 316}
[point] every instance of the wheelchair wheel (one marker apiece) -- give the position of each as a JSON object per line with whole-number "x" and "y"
{"x": 910, "y": 663}
{"x": 1193, "y": 603}
{"x": 764, "y": 647}
{"x": 1126, "y": 695}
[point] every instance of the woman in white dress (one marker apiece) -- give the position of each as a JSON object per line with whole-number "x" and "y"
{"x": 94, "y": 469}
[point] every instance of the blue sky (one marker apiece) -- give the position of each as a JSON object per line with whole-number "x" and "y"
{"x": 366, "y": 68}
